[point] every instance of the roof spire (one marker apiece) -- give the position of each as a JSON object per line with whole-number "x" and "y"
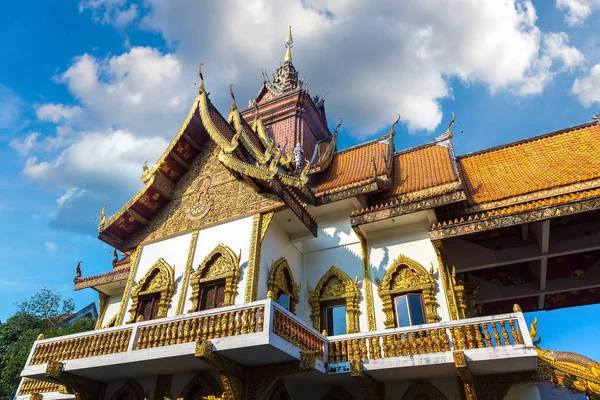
{"x": 289, "y": 43}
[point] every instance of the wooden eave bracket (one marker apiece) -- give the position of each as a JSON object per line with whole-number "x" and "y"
{"x": 292, "y": 202}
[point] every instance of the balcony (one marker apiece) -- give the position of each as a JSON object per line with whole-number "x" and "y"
{"x": 263, "y": 332}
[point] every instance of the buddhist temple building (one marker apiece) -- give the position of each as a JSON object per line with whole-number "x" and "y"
{"x": 261, "y": 261}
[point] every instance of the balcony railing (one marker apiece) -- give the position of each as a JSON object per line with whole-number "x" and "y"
{"x": 476, "y": 333}
{"x": 279, "y": 335}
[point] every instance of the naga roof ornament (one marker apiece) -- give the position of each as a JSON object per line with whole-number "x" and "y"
{"x": 448, "y": 134}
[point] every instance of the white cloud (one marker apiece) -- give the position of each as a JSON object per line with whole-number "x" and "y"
{"x": 69, "y": 195}
{"x": 587, "y": 89}
{"x": 51, "y": 247}
{"x": 24, "y": 146}
{"x": 374, "y": 61}
{"x": 102, "y": 162}
{"x": 577, "y": 11}
{"x": 57, "y": 112}
{"x": 11, "y": 110}
{"x": 114, "y": 12}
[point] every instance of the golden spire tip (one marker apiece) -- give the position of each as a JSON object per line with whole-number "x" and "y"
{"x": 289, "y": 43}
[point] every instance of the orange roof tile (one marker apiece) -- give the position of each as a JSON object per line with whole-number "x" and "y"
{"x": 420, "y": 169}
{"x": 353, "y": 167}
{"x": 557, "y": 159}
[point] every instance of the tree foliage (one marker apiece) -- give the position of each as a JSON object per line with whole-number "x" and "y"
{"x": 43, "y": 313}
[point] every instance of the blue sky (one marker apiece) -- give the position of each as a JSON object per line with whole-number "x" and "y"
{"x": 90, "y": 89}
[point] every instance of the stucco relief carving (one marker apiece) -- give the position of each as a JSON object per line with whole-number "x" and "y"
{"x": 281, "y": 279}
{"x": 158, "y": 279}
{"x": 221, "y": 263}
{"x": 403, "y": 276}
{"x": 334, "y": 285}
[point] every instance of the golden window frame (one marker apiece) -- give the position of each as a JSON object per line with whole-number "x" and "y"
{"x": 405, "y": 276}
{"x": 278, "y": 282}
{"x": 163, "y": 282}
{"x": 221, "y": 263}
{"x": 423, "y": 388}
{"x": 334, "y": 285}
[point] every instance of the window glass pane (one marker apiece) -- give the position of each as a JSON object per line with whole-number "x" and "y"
{"x": 402, "y": 311}
{"x": 284, "y": 300}
{"x": 416, "y": 309}
{"x": 336, "y": 320}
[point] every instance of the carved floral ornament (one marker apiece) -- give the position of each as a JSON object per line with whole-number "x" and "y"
{"x": 280, "y": 280}
{"x": 158, "y": 279}
{"x": 406, "y": 276}
{"x": 221, "y": 263}
{"x": 334, "y": 285}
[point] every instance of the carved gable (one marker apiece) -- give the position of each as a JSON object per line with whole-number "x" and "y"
{"x": 207, "y": 195}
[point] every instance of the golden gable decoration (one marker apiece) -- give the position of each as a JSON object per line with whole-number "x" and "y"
{"x": 405, "y": 276}
{"x": 202, "y": 380}
{"x": 335, "y": 284}
{"x": 281, "y": 279}
{"x": 158, "y": 279}
{"x": 221, "y": 263}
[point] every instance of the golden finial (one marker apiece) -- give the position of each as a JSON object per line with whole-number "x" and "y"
{"x": 393, "y": 130}
{"x": 201, "y": 78}
{"x": 288, "y": 43}
{"x": 431, "y": 270}
{"x": 145, "y": 166}
{"x": 232, "y": 96}
{"x": 102, "y": 216}
{"x": 335, "y": 131}
{"x": 517, "y": 308}
{"x": 376, "y": 279}
{"x": 533, "y": 329}
{"x": 40, "y": 336}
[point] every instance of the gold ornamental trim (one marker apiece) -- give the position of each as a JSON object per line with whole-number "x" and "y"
{"x": 449, "y": 283}
{"x": 335, "y": 284}
{"x": 260, "y": 225}
{"x": 103, "y": 305}
{"x": 186, "y": 274}
{"x": 220, "y": 263}
{"x": 158, "y": 279}
{"x": 134, "y": 262}
{"x": 281, "y": 279}
{"x": 404, "y": 276}
{"x": 368, "y": 284}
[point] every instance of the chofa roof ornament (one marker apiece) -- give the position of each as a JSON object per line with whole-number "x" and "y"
{"x": 448, "y": 134}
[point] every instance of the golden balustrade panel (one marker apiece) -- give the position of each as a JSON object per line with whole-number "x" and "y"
{"x": 230, "y": 323}
{"x": 82, "y": 347}
{"x": 31, "y": 386}
{"x": 297, "y": 334}
{"x": 461, "y": 337}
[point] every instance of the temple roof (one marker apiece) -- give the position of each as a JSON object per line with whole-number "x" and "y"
{"x": 354, "y": 167}
{"x": 556, "y": 159}
{"x": 421, "y": 168}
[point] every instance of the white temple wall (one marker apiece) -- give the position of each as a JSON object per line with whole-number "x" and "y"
{"x": 276, "y": 245}
{"x": 237, "y": 236}
{"x": 337, "y": 245}
{"x": 524, "y": 391}
{"x": 112, "y": 308}
{"x": 413, "y": 242}
{"x": 174, "y": 251}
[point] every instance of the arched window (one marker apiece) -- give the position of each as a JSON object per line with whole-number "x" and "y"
{"x": 200, "y": 386}
{"x": 334, "y": 303}
{"x": 408, "y": 294}
{"x": 281, "y": 286}
{"x": 151, "y": 298}
{"x": 131, "y": 390}
{"x": 214, "y": 284}
{"x": 423, "y": 391}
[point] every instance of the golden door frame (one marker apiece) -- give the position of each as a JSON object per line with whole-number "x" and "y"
{"x": 278, "y": 282}
{"x": 334, "y": 285}
{"x": 423, "y": 388}
{"x": 221, "y": 263}
{"x": 132, "y": 387}
{"x": 404, "y": 276}
{"x": 210, "y": 386}
{"x": 162, "y": 282}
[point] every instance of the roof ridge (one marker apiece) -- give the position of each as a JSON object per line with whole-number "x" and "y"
{"x": 363, "y": 144}
{"x": 414, "y": 148}
{"x": 527, "y": 140}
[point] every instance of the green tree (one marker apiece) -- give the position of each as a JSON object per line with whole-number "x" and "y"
{"x": 43, "y": 313}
